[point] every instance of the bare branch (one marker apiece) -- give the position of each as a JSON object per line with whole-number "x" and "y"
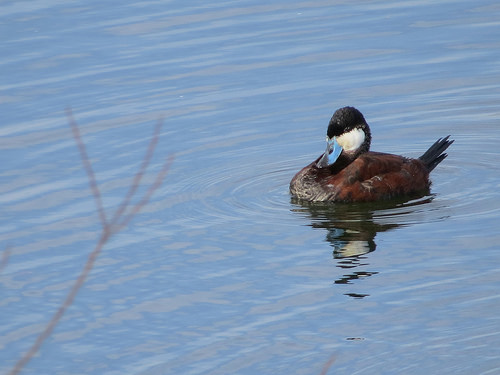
{"x": 327, "y": 365}
{"x": 88, "y": 168}
{"x": 145, "y": 199}
{"x": 140, "y": 173}
{"x": 108, "y": 229}
{"x": 49, "y": 328}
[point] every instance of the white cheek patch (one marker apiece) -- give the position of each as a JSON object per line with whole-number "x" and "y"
{"x": 352, "y": 140}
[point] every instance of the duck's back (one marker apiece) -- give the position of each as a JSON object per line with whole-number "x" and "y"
{"x": 371, "y": 176}
{"x": 377, "y": 176}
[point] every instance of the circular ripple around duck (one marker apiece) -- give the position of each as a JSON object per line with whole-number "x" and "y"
{"x": 254, "y": 194}
{"x": 255, "y": 189}
{"x": 229, "y": 192}
{"x": 468, "y": 185}
{"x": 464, "y": 188}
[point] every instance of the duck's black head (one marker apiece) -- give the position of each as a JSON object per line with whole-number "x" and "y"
{"x": 348, "y": 135}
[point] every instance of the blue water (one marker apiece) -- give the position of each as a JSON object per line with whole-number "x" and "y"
{"x": 222, "y": 272}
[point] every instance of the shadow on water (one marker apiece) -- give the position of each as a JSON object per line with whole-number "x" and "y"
{"x": 351, "y": 228}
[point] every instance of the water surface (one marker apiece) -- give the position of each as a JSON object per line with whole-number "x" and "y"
{"x": 224, "y": 273}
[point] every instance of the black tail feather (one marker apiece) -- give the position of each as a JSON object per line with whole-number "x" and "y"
{"x": 436, "y": 153}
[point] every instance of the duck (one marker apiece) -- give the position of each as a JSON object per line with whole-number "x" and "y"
{"x": 349, "y": 172}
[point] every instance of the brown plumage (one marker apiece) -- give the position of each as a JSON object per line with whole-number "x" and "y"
{"x": 359, "y": 175}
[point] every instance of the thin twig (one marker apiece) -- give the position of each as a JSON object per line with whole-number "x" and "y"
{"x": 107, "y": 230}
{"x": 140, "y": 173}
{"x": 145, "y": 199}
{"x": 49, "y": 328}
{"x": 88, "y": 168}
{"x": 328, "y": 364}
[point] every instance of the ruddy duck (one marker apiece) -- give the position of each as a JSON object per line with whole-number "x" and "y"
{"x": 349, "y": 172}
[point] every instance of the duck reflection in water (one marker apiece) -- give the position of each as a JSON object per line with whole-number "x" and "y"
{"x": 352, "y": 228}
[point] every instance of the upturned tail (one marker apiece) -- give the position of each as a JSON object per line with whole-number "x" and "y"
{"x": 436, "y": 153}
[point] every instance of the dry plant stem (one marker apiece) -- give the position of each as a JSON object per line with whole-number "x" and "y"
{"x": 159, "y": 179}
{"x": 49, "y": 328}
{"x": 108, "y": 229}
{"x": 327, "y": 365}
{"x": 88, "y": 167}
{"x": 140, "y": 173}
